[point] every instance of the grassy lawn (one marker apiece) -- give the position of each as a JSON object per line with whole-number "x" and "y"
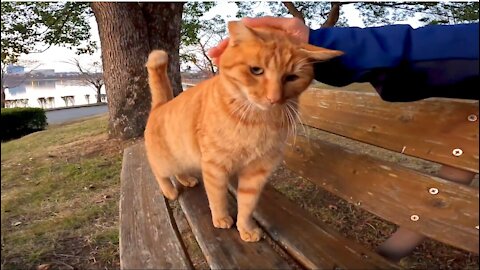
{"x": 60, "y": 190}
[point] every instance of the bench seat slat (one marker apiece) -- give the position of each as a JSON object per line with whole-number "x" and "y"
{"x": 223, "y": 248}
{"x": 390, "y": 191}
{"x": 308, "y": 240}
{"x": 148, "y": 237}
{"x": 430, "y": 129}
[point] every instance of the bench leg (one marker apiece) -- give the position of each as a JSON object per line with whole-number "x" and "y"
{"x": 404, "y": 241}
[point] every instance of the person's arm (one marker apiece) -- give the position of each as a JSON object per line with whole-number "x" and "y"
{"x": 402, "y": 63}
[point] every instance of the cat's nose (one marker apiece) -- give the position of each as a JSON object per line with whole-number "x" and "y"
{"x": 273, "y": 100}
{"x": 274, "y": 94}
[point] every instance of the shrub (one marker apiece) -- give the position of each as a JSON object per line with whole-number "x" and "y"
{"x": 17, "y": 122}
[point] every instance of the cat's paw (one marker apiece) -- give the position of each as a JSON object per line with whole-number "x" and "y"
{"x": 253, "y": 235}
{"x": 223, "y": 223}
{"x": 156, "y": 59}
{"x": 171, "y": 193}
{"x": 187, "y": 181}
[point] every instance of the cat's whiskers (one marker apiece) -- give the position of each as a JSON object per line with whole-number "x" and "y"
{"x": 293, "y": 104}
{"x": 239, "y": 109}
{"x": 247, "y": 109}
{"x": 287, "y": 119}
{"x": 291, "y": 123}
{"x": 282, "y": 111}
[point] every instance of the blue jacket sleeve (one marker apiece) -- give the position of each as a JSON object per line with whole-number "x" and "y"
{"x": 402, "y": 63}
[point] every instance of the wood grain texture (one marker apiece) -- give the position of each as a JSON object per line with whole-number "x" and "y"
{"x": 308, "y": 240}
{"x": 223, "y": 248}
{"x": 148, "y": 237}
{"x": 390, "y": 191}
{"x": 430, "y": 129}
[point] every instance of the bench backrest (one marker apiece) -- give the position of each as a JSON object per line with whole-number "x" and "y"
{"x": 430, "y": 129}
{"x": 439, "y": 130}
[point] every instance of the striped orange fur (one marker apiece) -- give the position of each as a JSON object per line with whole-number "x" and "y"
{"x": 234, "y": 123}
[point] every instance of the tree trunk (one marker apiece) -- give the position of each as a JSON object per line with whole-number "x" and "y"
{"x": 333, "y": 15}
{"x": 164, "y": 22}
{"x": 3, "y": 97}
{"x": 128, "y": 32}
{"x": 294, "y": 11}
{"x": 99, "y": 94}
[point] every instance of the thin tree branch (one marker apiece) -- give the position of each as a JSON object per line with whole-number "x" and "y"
{"x": 405, "y": 4}
{"x": 333, "y": 15}
{"x": 88, "y": 76}
{"x": 210, "y": 63}
{"x": 294, "y": 11}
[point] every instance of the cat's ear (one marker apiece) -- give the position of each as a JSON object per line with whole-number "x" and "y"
{"x": 238, "y": 32}
{"x": 318, "y": 53}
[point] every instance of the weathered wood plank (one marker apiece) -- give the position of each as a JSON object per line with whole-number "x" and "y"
{"x": 390, "y": 191}
{"x": 429, "y": 129}
{"x": 308, "y": 240}
{"x": 223, "y": 248}
{"x": 148, "y": 237}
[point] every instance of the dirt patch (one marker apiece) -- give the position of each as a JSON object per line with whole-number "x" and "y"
{"x": 360, "y": 225}
{"x": 76, "y": 253}
{"x": 87, "y": 147}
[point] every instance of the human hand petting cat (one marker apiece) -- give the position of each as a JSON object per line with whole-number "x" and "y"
{"x": 293, "y": 26}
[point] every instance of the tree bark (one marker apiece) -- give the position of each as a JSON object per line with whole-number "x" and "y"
{"x": 128, "y": 32}
{"x": 99, "y": 94}
{"x": 3, "y": 97}
{"x": 294, "y": 11}
{"x": 333, "y": 15}
{"x": 164, "y": 24}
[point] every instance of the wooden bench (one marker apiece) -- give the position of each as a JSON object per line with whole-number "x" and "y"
{"x": 434, "y": 130}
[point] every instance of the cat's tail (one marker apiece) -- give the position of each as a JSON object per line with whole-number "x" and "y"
{"x": 158, "y": 81}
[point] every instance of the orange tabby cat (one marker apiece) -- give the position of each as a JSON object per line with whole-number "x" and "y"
{"x": 234, "y": 123}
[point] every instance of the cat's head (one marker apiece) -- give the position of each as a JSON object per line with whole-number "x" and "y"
{"x": 267, "y": 66}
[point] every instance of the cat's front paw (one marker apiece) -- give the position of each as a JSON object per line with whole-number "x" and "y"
{"x": 253, "y": 235}
{"x": 187, "y": 181}
{"x": 171, "y": 193}
{"x": 223, "y": 223}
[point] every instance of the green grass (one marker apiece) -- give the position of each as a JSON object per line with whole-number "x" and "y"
{"x": 60, "y": 190}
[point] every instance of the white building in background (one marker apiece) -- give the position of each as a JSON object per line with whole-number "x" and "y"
{"x": 43, "y": 72}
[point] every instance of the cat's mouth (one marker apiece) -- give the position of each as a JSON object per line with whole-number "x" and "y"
{"x": 266, "y": 105}
{"x": 262, "y": 106}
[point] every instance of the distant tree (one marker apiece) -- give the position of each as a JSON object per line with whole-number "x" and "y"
{"x": 380, "y": 13}
{"x": 211, "y": 32}
{"x": 25, "y": 26}
{"x": 90, "y": 75}
{"x": 4, "y": 73}
{"x": 330, "y": 14}
{"x": 197, "y": 35}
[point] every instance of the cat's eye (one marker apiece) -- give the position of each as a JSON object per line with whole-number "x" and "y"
{"x": 256, "y": 70}
{"x": 291, "y": 78}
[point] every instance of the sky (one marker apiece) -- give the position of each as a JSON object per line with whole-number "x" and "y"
{"x": 55, "y": 56}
